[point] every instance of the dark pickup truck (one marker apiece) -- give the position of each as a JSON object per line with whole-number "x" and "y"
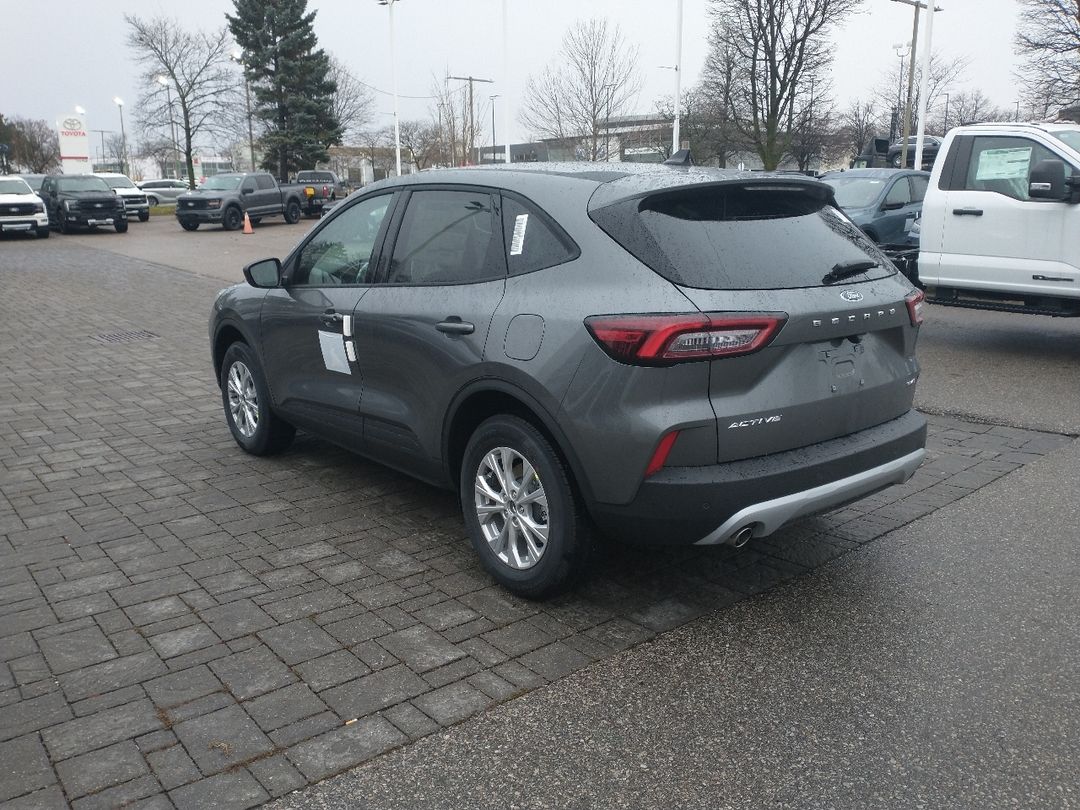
{"x": 225, "y": 198}
{"x": 320, "y": 190}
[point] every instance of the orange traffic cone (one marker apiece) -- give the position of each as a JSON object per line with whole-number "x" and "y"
{"x": 247, "y": 224}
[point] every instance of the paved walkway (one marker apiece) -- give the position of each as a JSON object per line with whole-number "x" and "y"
{"x": 184, "y": 625}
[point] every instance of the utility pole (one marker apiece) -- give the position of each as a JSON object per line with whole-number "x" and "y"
{"x": 918, "y": 5}
{"x": 494, "y": 150}
{"x": 102, "y": 131}
{"x": 472, "y": 124}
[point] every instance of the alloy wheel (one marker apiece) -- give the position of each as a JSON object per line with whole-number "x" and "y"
{"x": 512, "y": 508}
{"x": 243, "y": 400}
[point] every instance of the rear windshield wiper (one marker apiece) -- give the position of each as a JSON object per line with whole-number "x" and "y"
{"x": 842, "y": 270}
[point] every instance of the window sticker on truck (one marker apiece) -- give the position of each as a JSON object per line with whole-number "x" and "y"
{"x": 1003, "y": 164}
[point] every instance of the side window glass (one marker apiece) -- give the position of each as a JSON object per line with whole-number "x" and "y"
{"x": 448, "y": 237}
{"x": 531, "y": 242}
{"x": 918, "y": 187}
{"x": 264, "y": 181}
{"x": 899, "y": 194}
{"x": 341, "y": 251}
{"x": 1003, "y": 165}
{"x": 249, "y": 185}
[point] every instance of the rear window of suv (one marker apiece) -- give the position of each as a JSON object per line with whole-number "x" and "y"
{"x": 756, "y": 236}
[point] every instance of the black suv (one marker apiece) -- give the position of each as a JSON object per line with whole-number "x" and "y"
{"x": 670, "y": 355}
{"x": 931, "y": 145}
{"x": 82, "y": 201}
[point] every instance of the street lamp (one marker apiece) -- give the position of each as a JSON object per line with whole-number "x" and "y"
{"x": 902, "y": 50}
{"x": 678, "y": 76}
{"x": 238, "y": 57}
{"x": 119, "y": 102}
{"x": 164, "y": 82}
{"x": 494, "y": 151}
{"x": 393, "y": 81}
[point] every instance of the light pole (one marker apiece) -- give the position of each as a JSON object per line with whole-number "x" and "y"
{"x": 945, "y": 125}
{"x": 678, "y": 76}
{"x": 924, "y": 82}
{"x": 164, "y": 82}
{"x": 494, "y": 151}
{"x": 238, "y": 57}
{"x": 393, "y": 81}
{"x": 119, "y": 102}
{"x": 506, "y": 78}
{"x": 902, "y": 50}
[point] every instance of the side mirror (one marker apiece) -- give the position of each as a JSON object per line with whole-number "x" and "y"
{"x": 892, "y": 206}
{"x": 247, "y": 190}
{"x": 265, "y": 273}
{"x": 1047, "y": 181}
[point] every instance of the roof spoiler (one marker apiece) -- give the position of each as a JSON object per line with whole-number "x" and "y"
{"x": 680, "y": 158}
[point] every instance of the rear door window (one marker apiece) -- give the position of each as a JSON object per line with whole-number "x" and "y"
{"x": 740, "y": 237}
{"x": 532, "y": 240}
{"x": 264, "y": 181}
{"x": 448, "y": 237}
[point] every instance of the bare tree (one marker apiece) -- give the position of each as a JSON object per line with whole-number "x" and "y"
{"x": 1048, "y": 43}
{"x": 423, "y": 142}
{"x": 450, "y": 114}
{"x": 378, "y": 145}
{"x": 944, "y": 74}
{"x": 594, "y": 79}
{"x": 32, "y": 145}
{"x": 973, "y": 107}
{"x": 859, "y": 123}
{"x": 353, "y": 104}
{"x": 776, "y": 46}
{"x": 199, "y": 76}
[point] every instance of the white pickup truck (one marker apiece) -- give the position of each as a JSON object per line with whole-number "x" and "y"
{"x": 1000, "y": 226}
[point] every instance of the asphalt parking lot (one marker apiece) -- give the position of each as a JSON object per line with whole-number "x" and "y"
{"x": 187, "y": 626}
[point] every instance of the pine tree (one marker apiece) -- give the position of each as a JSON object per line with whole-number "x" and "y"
{"x": 291, "y": 82}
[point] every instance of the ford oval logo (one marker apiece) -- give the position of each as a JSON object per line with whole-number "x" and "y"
{"x": 851, "y": 295}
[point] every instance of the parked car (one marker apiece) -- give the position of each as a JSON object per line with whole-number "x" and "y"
{"x": 225, "y": 198}
{"x": 82, "y": 201}
{"x": 671, "y": 356}
{"x": 163, "y": 192}
{"x": 1000, "y": 219}
{"x": 883, "y": 202}
{"x": 135, "y": 203}
{"x": 320, "y": 190}
{"x": 931, "y": 144}
{"x": 21, "y": 210}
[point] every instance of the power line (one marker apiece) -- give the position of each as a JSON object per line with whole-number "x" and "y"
{"x": 401, "y": 95}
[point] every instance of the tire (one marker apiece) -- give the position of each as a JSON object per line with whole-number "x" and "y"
{"x": 245, "y": 397}
{"x": 152, "y": 200}
{"x": 64, "y": 227}
{"x": 43, "y": 233}
{"x": 144, "y": 216}
{"x": 255, "y": 220}
{"x": 292, "y": 212}
{"x": 189, "y": 226}
{"x": 232, "y": 219}
{"x": 536, "y": 571}
{"x": 897, "y": 160}
{"x": 121, "y": 226}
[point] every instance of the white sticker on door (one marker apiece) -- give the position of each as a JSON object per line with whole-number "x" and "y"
{"x": 517, "y": 243}
{"x": 333, "y": 352}
{"x": 1003, "y": 164}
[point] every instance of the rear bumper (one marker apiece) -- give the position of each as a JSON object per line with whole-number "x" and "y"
{"x": 705, "y": 505}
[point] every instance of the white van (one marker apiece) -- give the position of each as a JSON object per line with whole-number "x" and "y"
{"x": 1000, "y": 225}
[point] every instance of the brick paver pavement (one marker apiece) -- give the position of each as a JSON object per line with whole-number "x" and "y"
{"x": 184, "y": 625}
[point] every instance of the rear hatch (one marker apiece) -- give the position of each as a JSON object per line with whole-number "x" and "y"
{"x": 842, "y": 358}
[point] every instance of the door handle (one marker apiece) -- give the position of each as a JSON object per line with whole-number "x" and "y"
{"x": 455, "y": 326}
{"x": 331, "y": 318}
{"x": 968, "y": 212}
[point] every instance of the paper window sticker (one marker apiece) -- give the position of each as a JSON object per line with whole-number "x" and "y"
{"x": 517, "y": 243}
{"x": 333, "y": 352}
{"x": 1003, "y": 164}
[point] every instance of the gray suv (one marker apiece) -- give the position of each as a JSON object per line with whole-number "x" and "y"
{"x": 662, "y": 354}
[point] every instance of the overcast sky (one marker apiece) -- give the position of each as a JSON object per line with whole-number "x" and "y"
{"x": 91, "y": 64}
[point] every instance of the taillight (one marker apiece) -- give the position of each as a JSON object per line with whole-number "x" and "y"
{"x": 661, "y": 340}
{"x": 915, "y": 303}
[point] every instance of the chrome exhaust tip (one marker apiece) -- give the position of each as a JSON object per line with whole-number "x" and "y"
{"x": 741, "y": 537}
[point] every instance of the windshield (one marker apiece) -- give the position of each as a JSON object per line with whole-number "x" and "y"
{"x": 855, "y": 192}
{"x": 82, "y": 184}
{"x": 118, "y": 182}
{"x": 15, "y": 187}
{"x": 1070, "y": 137}
{"x": 34, "y": 180}
{"x": 222, "y": 182}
